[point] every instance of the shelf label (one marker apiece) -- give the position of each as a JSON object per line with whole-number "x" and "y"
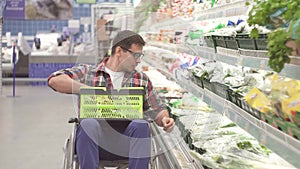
{"x": 246, "y": 128}
{"x": 262, "y": 64}
{"x": 263, "y": 139}
{"x": 226, "y": 105}
{"x": 236, "y": 117}
{"x": 240, "y": 61}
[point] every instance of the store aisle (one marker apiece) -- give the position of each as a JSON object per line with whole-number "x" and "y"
{"x": 33, "y": 127}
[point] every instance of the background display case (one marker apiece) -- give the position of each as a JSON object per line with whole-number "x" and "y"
{"x": 279, "y": 138}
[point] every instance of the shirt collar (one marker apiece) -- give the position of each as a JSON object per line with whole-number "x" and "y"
{"x": 101, "y": 68}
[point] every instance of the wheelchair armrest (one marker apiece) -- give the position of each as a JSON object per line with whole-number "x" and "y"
{"x": 73, "y": 120}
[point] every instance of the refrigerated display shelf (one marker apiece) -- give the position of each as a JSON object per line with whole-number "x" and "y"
{"x": 171, "y": 150}
{"x": 279, "y": 142}
{"x": 170, "y": 24}
{"x": 289, "y": 70}
{"x": 236, "y": 8}
{"x": 282, "y": 144}
{"x": 169, "y": 46}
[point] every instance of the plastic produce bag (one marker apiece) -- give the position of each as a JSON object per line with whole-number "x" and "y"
{"x": 291, "y": 107}
{"x": 258, "y": 100}
{"x": 294, "y": 28}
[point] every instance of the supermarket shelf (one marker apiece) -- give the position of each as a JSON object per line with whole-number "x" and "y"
{"x": 282, "y": 144}
{"x": 158, "y": 65}
{"x": 289, "y": 70}
{"x": 7, "y": 67}
{"x": 237, "y": 8}
{"x": 169, "y": 47}
{"x": 170, "y": 24}
{"x": 172, "y": 151}
{"x": 279, "y": 142}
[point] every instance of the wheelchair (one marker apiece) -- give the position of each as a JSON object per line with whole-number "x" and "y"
{"x": 88, "y": 101}
{"x": 70, "y": 159}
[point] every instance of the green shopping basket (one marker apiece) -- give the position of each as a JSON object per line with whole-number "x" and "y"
{"x": 99, "y": 103}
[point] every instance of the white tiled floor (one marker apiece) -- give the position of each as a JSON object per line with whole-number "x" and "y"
{"x": 33, "y": 127}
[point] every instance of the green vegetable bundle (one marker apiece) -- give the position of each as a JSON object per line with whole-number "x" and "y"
{"x": 283, "y": 17}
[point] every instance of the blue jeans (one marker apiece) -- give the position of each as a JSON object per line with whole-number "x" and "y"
{"x": 101, "y": 140}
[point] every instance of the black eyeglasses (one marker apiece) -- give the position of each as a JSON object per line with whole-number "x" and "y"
{"x": 136, "y": 55}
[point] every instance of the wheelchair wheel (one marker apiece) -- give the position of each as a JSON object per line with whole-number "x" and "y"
{"x": 70, "y": 158}
{"x": 66, "y": 161}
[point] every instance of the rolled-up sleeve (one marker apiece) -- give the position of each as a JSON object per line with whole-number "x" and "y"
{"x": 77, "y": 72}
{"x": 153, "y": 104}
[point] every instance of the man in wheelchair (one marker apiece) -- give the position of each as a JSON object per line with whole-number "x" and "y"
{"x": 114, "y": 139}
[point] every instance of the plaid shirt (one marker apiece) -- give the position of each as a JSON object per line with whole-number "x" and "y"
{"x": 97, "y": 76}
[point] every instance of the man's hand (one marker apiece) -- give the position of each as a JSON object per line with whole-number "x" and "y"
{"x": 163, "y": 120}
{"x": 167, "y": 124}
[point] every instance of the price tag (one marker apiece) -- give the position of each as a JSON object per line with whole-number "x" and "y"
{"x": 207, "y": 99}
{"x": 263, "y": 139}
{"x": 247, "y": 124}
{"x": 225, "y": 108}
{"x": 213, "y": 56}
{"x": 220, "y": 14}
{"x": 236, "y": 117}
{"x": 200, "y": 93}
{"x": 240, "y": 61}
{"x": 262, "y": 64}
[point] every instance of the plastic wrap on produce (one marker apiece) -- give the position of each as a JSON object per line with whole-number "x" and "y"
{"x": 219, "y": 143}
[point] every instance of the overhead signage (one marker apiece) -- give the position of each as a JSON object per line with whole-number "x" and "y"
{"x": 14, "y": 9}
{"x": 39, "y": 9}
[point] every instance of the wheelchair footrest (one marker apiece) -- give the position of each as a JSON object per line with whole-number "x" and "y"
{"x": 117, "y": 164}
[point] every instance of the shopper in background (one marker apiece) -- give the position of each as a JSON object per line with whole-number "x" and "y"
{"x": 93, "y": 142}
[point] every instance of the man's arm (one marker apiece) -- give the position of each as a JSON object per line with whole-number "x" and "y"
{"x": 64, "y": 84}
{"x": 162, "y": 119}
